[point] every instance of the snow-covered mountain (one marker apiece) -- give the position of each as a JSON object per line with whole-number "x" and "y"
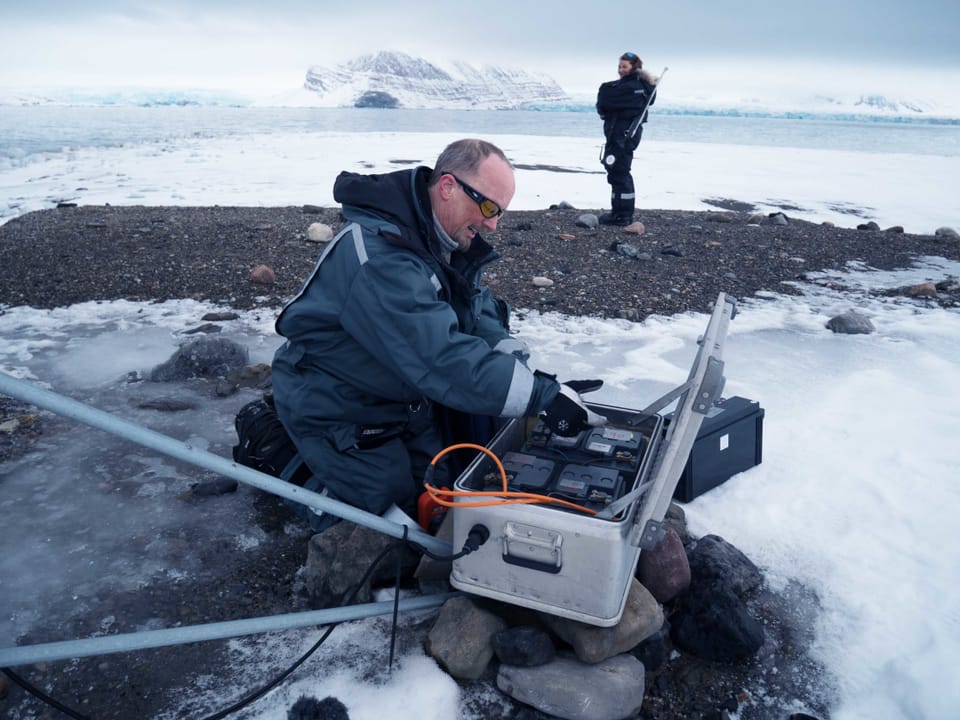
{"x": 392, "y": 79}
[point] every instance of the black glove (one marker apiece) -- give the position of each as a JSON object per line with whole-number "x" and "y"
{"x": 567, "y": 415}
{"x": 584, "y": 386}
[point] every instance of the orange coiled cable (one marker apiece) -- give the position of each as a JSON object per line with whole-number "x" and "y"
{"x": 443, "y": 496}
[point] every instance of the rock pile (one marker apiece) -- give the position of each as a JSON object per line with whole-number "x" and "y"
{"x": 690, "y": 598}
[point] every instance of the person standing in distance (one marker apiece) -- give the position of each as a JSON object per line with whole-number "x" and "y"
{"x": 622, "y": 104}
{"x": 393, "y": 330}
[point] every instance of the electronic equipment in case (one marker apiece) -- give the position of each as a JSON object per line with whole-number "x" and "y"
{"x": 601, "y": 497}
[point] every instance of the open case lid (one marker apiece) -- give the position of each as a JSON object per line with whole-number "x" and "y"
{"x": 695, "y": 397}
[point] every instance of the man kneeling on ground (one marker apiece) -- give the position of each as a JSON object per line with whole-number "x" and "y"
{"x": 394, "y": 346}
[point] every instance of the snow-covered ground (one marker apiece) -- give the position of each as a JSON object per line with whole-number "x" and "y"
{"x": 856, "y": 496}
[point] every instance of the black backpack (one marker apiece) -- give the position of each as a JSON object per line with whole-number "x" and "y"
{"x": 263, "y": 443}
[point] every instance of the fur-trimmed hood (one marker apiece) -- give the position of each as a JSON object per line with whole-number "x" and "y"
{"x": 648, "y": 77}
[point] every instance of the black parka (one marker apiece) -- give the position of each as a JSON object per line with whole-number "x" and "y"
{"x": 620, "y": 102}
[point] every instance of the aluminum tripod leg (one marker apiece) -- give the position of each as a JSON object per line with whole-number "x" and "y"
{"x": 68, "y": 407}
{"x": 67, "y": 649}
{"x": 13, "y": 656}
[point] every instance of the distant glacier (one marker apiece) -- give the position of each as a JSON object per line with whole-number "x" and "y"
{"x": 395, "y": 80}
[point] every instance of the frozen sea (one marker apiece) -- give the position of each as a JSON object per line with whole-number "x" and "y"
{"x": 888, "y": 170}
{"x": 856, "y": 497}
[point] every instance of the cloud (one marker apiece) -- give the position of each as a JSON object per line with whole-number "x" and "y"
{"x": 241, "y": 44}
{"x": 545, "y": 33}
{"x": 156, "y": 49}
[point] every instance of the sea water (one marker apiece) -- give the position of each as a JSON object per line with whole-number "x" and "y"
{"x": 30, "y": 133}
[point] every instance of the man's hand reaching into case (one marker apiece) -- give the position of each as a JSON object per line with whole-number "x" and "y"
{"x": 567, "y": 415}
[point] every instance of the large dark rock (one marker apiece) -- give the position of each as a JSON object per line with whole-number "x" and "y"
{"x": 712, "y": 623}
{"x": 309, "y": 708}
{"x": 711, "y": 620}
{"x": 655, "y": 650}
{"x": 205, "y": 357}
{"x": 713, "y": 559}
{"x": 338, "y": 558}
{"x": 523, "y": 646}
{"x": 214, "y": 487}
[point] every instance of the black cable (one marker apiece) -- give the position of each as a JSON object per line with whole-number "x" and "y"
{"x": 286, "y": 673}
{"x": 477, "y": 536}
{"x": 396, "y": 601}
{"x": 40, "y": 694}
{"x": 434, "y": 556}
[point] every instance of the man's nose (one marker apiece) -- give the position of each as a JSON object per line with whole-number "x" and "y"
{"x": 491, "y": 223}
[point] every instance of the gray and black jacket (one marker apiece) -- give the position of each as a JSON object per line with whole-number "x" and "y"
{"x": 384, "y": 321}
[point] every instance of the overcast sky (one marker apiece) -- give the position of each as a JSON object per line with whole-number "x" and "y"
{"x": 242, "y": 43}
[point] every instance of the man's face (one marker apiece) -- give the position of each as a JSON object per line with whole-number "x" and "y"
{"x": 459, "y": 213}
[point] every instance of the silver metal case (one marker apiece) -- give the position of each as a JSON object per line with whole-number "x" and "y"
{"x": 546, "y": 557}
{"x": 562, "y": 561}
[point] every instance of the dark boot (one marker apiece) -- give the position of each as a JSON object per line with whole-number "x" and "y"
{"x": 617, "y": 219}
{"x": 621, "y": 213}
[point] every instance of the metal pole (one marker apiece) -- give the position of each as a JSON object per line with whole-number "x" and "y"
{"x": 635, "y": 125}
{"x": 201, "y": 458}
{"x": 48, "y": 652}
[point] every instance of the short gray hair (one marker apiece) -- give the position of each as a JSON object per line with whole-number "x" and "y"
{"x": 463, "y": 157}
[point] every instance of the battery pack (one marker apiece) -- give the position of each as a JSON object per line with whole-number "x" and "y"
{"x": 730, "y": 441}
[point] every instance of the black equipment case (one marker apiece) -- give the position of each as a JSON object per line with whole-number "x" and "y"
{"x": 730, "y": 441}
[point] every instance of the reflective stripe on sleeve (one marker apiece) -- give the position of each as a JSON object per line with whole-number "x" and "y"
{"x": 518, "y": 396}
{"x": 358, "y": 245}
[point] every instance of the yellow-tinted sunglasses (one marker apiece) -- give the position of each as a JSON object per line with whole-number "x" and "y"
{"x": 488, "y": 208}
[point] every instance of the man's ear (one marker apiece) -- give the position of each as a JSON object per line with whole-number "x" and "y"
{"x": 447, "y": 186}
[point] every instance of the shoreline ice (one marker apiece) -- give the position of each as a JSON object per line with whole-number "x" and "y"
{"x": 294, "y": 168}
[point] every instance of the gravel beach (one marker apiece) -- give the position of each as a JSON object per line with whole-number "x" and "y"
{"x": 679, "y": 262}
